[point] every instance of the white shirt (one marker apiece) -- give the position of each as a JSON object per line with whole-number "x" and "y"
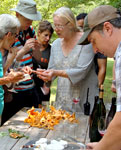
{"x": 118, "y": 76}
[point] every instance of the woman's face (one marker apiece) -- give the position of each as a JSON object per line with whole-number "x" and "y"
{"x": 60, "y": 26}
{"x": 44, "y": 37}
{"x": 8, "y": 40}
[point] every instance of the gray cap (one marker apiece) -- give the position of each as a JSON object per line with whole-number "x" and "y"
{"x": 27, "y": 8}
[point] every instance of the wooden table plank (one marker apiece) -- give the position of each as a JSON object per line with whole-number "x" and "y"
{"x": 34, "y": 135}
{"x": 62, "y": 129}
{"x": 16, "y": 122}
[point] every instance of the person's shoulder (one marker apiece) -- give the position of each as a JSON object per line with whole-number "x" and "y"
{"x": 47, "y": 49}
{"x": 87, "y": 50}
{"x": 87, "y": 47}
{"x": 56, "y": 42}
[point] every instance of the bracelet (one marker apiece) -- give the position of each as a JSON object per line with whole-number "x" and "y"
{"x": 114, "y": 82}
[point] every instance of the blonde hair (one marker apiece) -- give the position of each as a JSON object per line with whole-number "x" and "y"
{"x": 66, "y": 13}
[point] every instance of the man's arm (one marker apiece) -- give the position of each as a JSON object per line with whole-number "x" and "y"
{"x": 30, "y": 43}
{"x": 112, "y": 138}
{"x": 102, "y": 64}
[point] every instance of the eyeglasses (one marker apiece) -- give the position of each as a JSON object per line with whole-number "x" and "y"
{"x": 13, "y": 34}
{"x": 60, "y": 26}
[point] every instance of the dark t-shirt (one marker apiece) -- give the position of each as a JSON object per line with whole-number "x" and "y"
{"x": 98, "y": 56}
{"x": 41, "y": 60}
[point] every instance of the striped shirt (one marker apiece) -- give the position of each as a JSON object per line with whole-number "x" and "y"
{"x": 118, "y": 76}
{"x": 27, "y": 58}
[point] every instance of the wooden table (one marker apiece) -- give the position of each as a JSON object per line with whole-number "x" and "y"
{"x": 17, "y": 123}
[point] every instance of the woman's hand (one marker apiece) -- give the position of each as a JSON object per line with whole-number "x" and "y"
{"x": 45, "y": 75}
{"x": 27, "y": 70}
{"x": 45, "y": 89}
{"x": 113, "y": 88}
{"x": 14, "y": 77}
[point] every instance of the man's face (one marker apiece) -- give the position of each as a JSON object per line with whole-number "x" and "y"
{"x": 102, "y": 42}
{"x": 80, "y": 23}
{"x": 25, "y": 23}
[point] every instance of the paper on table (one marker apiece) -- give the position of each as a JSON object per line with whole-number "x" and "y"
{"x": 26, "y": 77}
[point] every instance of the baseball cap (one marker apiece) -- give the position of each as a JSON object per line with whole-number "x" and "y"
{"x": 27, "y": 8}
{"x": 95, "y": 17}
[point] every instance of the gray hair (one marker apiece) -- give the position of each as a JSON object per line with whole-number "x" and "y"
{"x": 8, "y": 23}
{"x": 66, "y": 13}
{"x": 116, "y": 22}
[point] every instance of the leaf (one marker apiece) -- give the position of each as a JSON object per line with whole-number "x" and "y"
{"x": 16, "y": 134}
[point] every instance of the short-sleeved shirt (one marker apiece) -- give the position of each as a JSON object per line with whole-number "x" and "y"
{"x": 98, "y": 56}
{"x": 118, "y": 75}
{"x": 40, "y": 60}
{"x": 42, "y": 57}
{"x": 27, "y": 58}
{"x": 1, "y": 88}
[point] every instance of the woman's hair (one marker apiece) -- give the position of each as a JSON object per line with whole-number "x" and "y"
{"x": 45, "y": 25}
{"x": 66, "y": 13}
{"x": 8, "y": 23}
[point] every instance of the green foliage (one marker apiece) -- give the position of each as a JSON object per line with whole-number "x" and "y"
{"x": 108, "y": 94}
{"x": 48, "y": 7}
{"x": 115, "y": 3}
{"x": 6, "y": 5}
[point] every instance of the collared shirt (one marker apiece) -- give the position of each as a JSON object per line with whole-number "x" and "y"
{"x": 118, "y": 76}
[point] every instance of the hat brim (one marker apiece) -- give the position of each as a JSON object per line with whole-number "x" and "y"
{"x": 35, "y": 17}
{"x": 84, "y": 38}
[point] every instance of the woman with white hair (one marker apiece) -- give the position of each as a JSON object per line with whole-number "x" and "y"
{"x": 8, "y": 30}
{"x": 70, "y": 62}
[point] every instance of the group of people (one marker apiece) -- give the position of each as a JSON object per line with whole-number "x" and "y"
{"x": 73, "y": 64}
{"x": 27, "y": 50}
{"x": 70, "y": 58}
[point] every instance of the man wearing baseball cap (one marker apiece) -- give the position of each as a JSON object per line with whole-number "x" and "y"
{"x": 102, "y": 27}
{"x": 26, "y": 12}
